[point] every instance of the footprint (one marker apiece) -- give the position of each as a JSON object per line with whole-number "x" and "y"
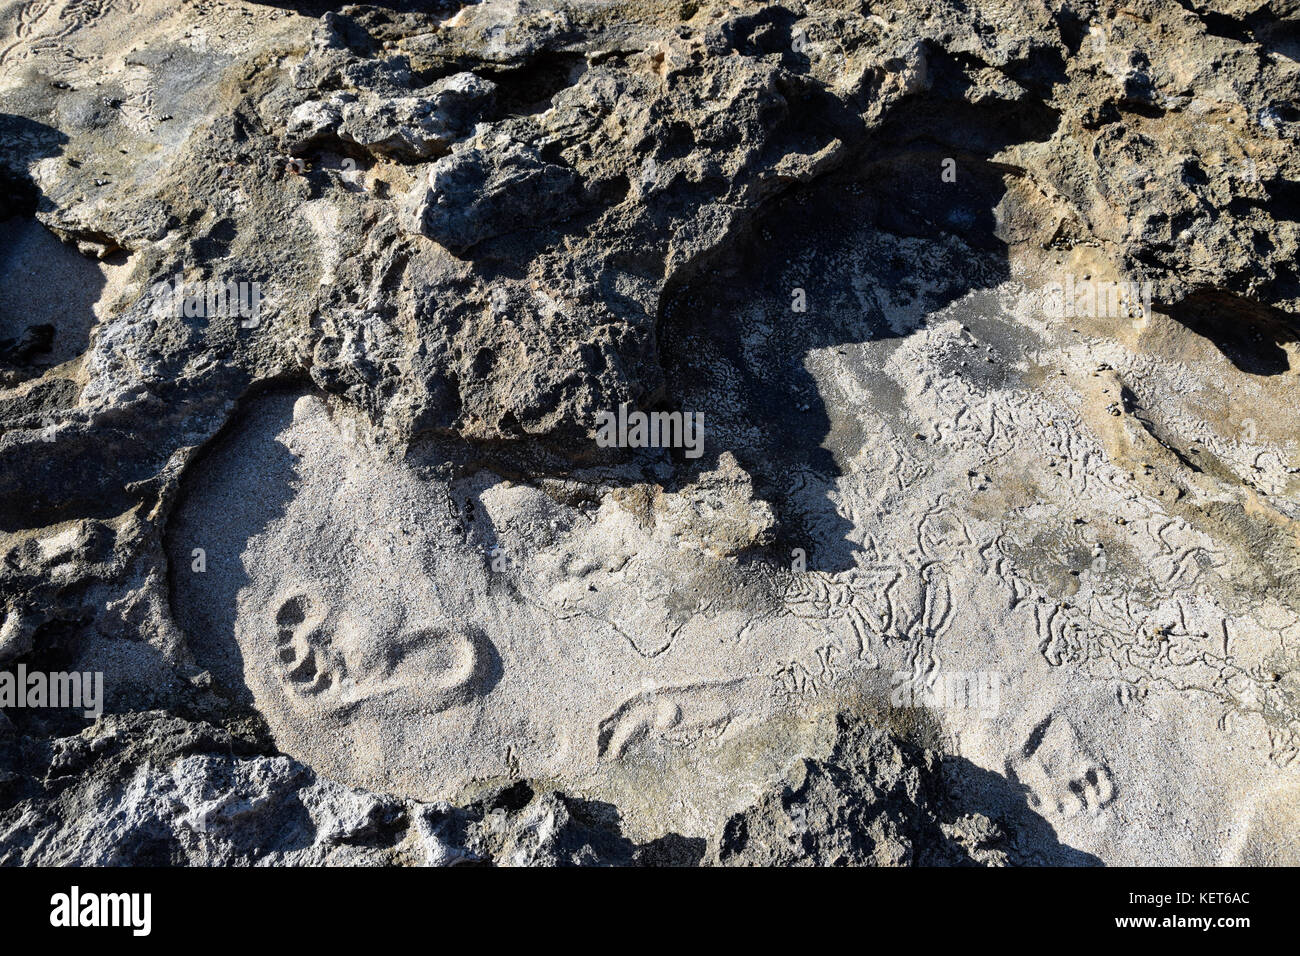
{"x": 325, "y": 660}
{"x": 309, "y": 664}
{"x": 677, "y": 714}
{"x": 1062, "y": 777}
{"x": 447, "y": 664}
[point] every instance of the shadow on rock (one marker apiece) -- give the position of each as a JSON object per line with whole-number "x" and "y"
{"x": 851, "y": 264}
{"x": 1031, "y": 840}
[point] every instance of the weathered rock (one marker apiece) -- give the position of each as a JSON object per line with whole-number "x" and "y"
{"x": 477, "y": 193}
{"x": 406, "y": 129}
{"x": 166, "y": 791}
{"x": 473, "y": 230}
{"x": 871, "y": 802}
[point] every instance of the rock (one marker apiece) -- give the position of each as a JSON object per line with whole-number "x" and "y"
{"x": 872, "y": 802}
{"x": 16, "y": 635}
{"x": 364, "y": 586}
{"x": 717, "y": 513}
{"x": 406, "y": 129}
{"x": 480, "y": 192}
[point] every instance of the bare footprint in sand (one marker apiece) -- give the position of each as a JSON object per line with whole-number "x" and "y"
{"x": 327, "y": 660}
{"x": 1062, "y": 776}
{"x": 706, "y": 710}
{"x": 339, "y": 601}
{"x": 350, "y": 599}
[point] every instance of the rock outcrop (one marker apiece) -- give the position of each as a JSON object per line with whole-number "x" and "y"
{"x": 308, "y": 323}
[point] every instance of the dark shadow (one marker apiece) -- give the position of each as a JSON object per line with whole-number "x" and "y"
{"x": 587, "y": 832}
{"x": 528, "y": 89}
{"x": 240, "y": 484}
{"x": 1250, "y": 334}
{"x": 23, "y": 142}
{"x": 55, "y": 651}
{"x": 869, "y": 253}
{"x": 49, "y": 289}
{"x": 595, "y": 836}
{"x": 1275, "y": 32}
{"x": 47, "y": 309}
{"x": 1031, "y": 840}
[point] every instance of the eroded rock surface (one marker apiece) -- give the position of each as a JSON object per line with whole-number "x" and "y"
{"x": 989, "y": 309}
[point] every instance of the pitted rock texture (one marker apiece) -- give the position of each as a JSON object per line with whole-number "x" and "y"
{"x": 169, "y": 792}
{"x": 353, "y": 558}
